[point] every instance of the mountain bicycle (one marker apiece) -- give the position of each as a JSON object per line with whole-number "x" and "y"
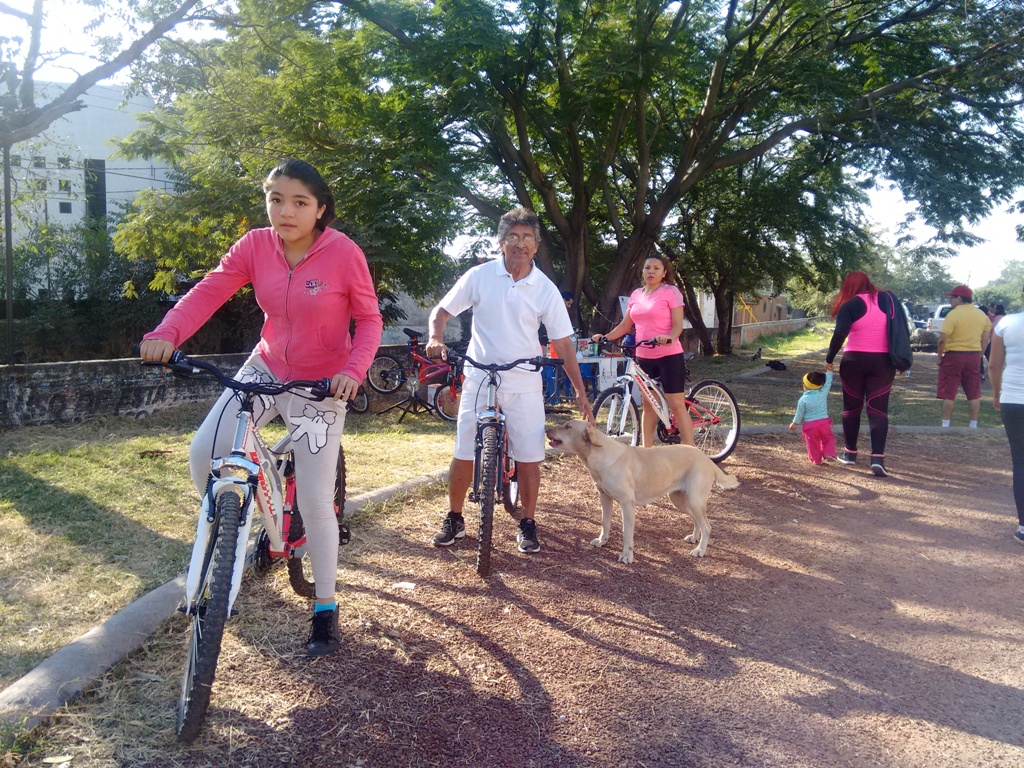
{"x": 251, "y": 474}
{"x": 387, "y": 375}
{"x": 494, "y": 466}
{"x": 711, "y": 406}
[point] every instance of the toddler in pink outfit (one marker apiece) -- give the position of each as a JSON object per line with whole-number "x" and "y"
{"x": 812, "y": 412}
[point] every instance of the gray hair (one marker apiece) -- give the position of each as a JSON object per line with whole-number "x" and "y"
{"x": 518, "y": 216}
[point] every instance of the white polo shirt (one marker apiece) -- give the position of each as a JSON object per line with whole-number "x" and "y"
{"x": 506, "y": 318}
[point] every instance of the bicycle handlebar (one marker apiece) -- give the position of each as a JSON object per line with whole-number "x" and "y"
{"x": 626, "y": 345}
{"x": 537, "y": 363}
{"x": 188, "y": 368}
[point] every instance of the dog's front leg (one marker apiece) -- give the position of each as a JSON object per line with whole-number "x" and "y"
{"x": 628, "y": 523}
{"x": 606, "y": 520}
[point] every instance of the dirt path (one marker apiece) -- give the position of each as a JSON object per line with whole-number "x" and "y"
{"x": 838, "y": 619}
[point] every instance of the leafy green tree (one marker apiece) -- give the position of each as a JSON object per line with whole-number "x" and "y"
{"x": 918, "y": 275}
{"x": 232, "y": 109}
{"x": 606, "y": 117}
{"x": 757, "y": 226}
{"x": 74, "y": 281}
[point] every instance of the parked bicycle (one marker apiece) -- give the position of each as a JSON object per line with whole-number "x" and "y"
{"x": 712, "y": 409}
{"x": 252, "y": 478}
{"x": 494, "y": 466}
{"x": 387, "y": 375}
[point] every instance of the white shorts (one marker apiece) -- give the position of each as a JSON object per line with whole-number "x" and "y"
{"x": 524, "y": 422}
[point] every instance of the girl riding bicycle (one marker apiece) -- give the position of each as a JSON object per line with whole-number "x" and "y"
{"x": 657, "y": 311}
{"x": 311, "y": 282}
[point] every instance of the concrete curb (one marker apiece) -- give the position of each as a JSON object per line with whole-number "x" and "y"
{"x": 32, "y": 700}
{"x": 778, "y": 429}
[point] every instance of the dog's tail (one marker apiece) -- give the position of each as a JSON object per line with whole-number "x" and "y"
{"x": 722, "y": 480}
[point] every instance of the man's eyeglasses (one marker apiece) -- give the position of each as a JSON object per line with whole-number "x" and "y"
{"x": 527, "y": 239}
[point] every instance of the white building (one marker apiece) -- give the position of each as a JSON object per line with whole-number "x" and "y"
{"x": 69, "y": 172}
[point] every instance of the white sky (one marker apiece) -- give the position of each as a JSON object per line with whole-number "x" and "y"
{"x": 975, "y": 266}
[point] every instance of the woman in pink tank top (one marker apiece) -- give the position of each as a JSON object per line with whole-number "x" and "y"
{"x": 866, "y": 371}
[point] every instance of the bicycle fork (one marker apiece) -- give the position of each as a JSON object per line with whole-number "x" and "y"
{"x": 251, "y": 482}
{"x": 489, "y": 418}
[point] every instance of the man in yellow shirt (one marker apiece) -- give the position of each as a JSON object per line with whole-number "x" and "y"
{"x": 965, "y": 333}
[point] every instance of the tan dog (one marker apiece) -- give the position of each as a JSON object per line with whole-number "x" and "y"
{"x": 633, "y": 476}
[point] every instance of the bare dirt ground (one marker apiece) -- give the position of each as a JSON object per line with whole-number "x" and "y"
{"x": 838, "y": 619}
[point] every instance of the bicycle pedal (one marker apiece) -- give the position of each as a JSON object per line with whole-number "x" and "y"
{"x": 344, "y": 534}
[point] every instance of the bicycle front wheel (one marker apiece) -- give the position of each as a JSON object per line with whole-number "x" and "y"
{"x": 615, "y": 414}
{"x": 209, "y": 615}
{"x": 446, "y": 401}
{"x": 715, "y": 417}
{"x": 385, "y": 374}
{"x": 489, "y": 468}
{"x": 299, "y": 570}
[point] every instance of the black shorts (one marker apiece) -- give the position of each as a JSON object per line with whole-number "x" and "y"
{"x": 670, "y": 369}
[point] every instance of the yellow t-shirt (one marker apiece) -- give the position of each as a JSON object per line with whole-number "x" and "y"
{"x": 963, "y": 327}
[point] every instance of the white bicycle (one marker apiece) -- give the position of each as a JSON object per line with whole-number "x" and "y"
{"x": 253, "y": 482}
{"x": 712, "y": 409}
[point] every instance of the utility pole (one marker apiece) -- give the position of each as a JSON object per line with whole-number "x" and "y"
{"x": 9, "y": 254}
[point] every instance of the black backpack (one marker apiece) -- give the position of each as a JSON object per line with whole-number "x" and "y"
{"x": 900, "y": 353}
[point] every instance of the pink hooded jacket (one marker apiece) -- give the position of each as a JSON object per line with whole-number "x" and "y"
{"x": 307, "y": 309}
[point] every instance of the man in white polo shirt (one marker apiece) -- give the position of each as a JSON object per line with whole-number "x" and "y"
{"x": 510, "y": 298}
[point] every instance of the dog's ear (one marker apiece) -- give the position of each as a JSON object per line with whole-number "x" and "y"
{"x": 588, "y": 434}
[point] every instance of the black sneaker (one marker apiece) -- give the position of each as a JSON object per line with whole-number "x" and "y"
{"x": 453, "y": 527}
{"x": 847, "y": 457}
{"x": 323, "y": 634}
{"x": 1019, "y": 536}
{"x": 527, "y": 536}
{"x": 878, "y": 466}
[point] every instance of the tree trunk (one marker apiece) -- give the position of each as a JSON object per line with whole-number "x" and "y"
{"x": 724, "y": 309}
{"x": 622, "y": 279}
{"x": 707, "y": 346}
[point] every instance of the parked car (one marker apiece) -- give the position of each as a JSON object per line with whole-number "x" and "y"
{"x": 935, "y": 321}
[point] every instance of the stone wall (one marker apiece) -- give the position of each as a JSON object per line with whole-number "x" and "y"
{"x": 60, "y": 393}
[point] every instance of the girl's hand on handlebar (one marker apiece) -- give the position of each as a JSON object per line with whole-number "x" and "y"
{"x": 156, "y": 350}
{"x": 597, "y": 337}
{"x": 664, "y": 340}
{"x": 344, "y": 387}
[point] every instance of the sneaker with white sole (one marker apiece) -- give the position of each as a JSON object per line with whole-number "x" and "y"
{"x": 878, "y": 466}
{"x": 527, "y": 536}
{"x": 847, "y": 457}
{"x": 1019, "y": 536}
{"x": 453, "y": 527}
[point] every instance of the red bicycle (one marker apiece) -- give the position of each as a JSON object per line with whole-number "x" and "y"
{"x": 387, "y": 375}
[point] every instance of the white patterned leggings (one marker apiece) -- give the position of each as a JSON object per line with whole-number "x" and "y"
{"x": 316, "y": 429}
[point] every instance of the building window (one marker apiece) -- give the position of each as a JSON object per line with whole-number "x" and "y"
{"x": 15, "y": 161}
{"x": 39, "y": 184}
{"x": 38, "y": 161}
{"x": 64, "y": 185}
{"x": 95, "y": 189}
{"x": 63, "y": 162}
{"x": 65, "y": 207}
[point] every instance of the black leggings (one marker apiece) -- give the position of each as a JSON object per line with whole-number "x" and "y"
{"x": 867, "y": 380}
{"x": 1013, "y": 421}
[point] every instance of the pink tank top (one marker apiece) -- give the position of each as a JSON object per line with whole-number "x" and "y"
{"x": 870, "y": 333}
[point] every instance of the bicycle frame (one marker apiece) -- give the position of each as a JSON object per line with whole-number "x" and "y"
{"x": 252, "y": 470}
{"x": 649, "y": 389}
